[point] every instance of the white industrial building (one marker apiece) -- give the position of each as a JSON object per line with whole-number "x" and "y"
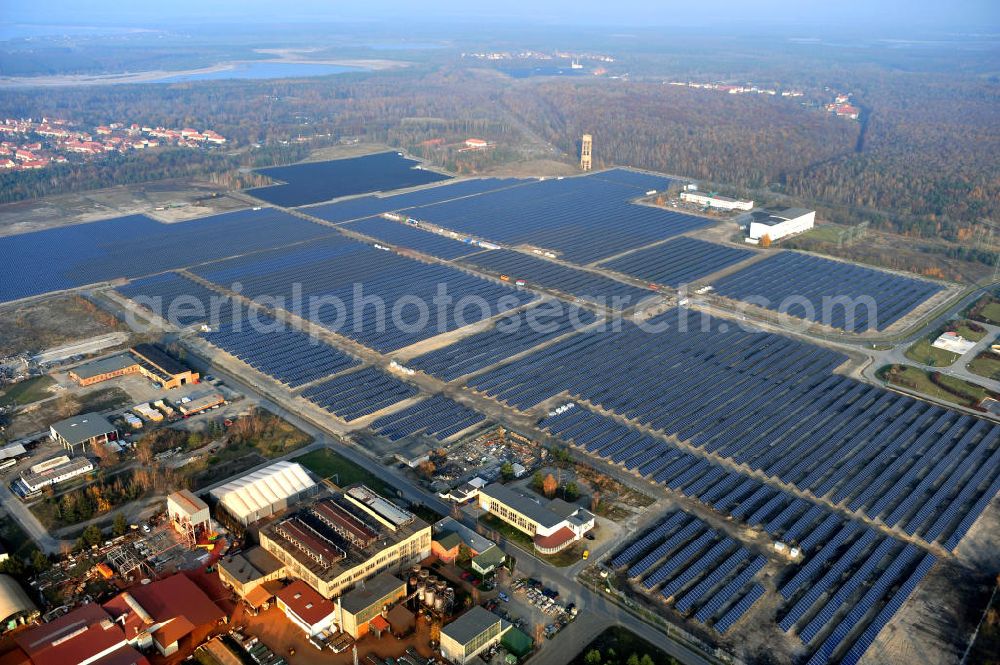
{"x": 777, "y": 222}
{"x": 265, "y": 492}
{"x": 50, "y": 472}
{"x": 715, "y": 201}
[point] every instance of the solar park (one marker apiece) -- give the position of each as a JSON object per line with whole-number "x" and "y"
{"x": 759, "y": 429}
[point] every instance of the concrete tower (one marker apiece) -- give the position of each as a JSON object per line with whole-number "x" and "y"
{"x": 585, "y": 147}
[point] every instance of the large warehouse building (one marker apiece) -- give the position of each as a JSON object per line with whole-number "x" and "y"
{"x": 80, "y": 434}
{"x": 265, "y": 492}
{"x": 777, "y": 223}
{"x": 715, "y": 201}
{"x": 339, "y": 541}
{"x": 146, "y": 359}
{"x": 554, "y": 526}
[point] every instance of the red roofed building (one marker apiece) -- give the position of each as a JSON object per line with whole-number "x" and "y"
{"x": 306, "y": 607}
{"x": 85, "y": 636}
{"x": 165, "y": 612}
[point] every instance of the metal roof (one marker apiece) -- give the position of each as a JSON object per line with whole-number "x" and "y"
{"x": 84, "y": 427}
{"x": 104, "y": 366}
{"x": 262, "y": 489}
{"x": 471, "y": 624}
{"x": 523, "y": 504}
{"x": 371, "y": 591}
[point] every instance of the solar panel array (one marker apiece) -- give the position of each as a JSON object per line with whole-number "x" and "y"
{"x": 311, "y": 182}
{"x": 358, "y": 394}
{"x": 710, "y": 577}
{"x": 289, "y": 355}
{"x": 177, "y": 299}
{"x": 641, "y": 181}
{"x": 386, "y": 301}
{"x": 804, "y": 285}
{"x": 579, "y": 283}
{"x": 682, "y": 559}
{"x": 584, "y": 218}
{"x": 908, "y": 463}
{"x": 437, "y": 417}
{"x": 135, "y": 245}
{"x": 368, "y": 206}
{"x": 510, "y": 336}
{"x": 678, "y": 261}
{"x": 405, "y": 235}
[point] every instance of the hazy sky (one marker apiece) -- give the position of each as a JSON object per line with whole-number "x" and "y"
{"x": 868, "y": 15}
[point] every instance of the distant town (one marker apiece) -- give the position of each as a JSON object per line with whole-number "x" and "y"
{"x": 840, "y": 106}
{"x": 36, "y": 144}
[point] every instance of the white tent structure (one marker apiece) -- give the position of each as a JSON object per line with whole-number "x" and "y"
{"x": 265, "y": 492}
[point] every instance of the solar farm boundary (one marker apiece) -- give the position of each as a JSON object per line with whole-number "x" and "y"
{"x": 744, "y": 471}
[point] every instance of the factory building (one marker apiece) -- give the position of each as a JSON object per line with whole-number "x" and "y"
{"x": 470, "y": 634}
{"x": 306, "y": 608}
{"x": 146, "y": 359}
{"x": 253, "y": 574}
{"x": 165, "y": 612}
{"x": 83, "y": 636}
{"x": 554, "y": 525}
{"x": 357, "y": 608}
{"x": 450, "y": 536}
{"x": 265, "y": 492}
{"x": 82, "y": 433}
{"x": 342, "y": 540}
{"x": 715, "y": 201}
{"x": 777, "y": 223}
{"x": 50, "y": 472}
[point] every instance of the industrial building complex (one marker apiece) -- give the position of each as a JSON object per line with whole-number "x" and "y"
{"x": 461, "y": 492}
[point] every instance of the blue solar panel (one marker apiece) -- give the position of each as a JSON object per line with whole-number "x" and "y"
{"x": 358, "y": 394}
{"x": 136, "y": 245}
{"x": 679, "y": 261}
{"x": 377, "y": 298}
{"x": 788, "y": 278}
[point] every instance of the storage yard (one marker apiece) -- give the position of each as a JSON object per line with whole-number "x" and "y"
{"x": 797, "y": 505}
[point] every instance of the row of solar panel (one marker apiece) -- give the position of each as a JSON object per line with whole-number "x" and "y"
{"x": 679, "y": 261}
{"x": 804, "y": 285}
{"x": 681, "y": 553}
{"x": 580, "y": 283}
{"x": 358, "y": 394}
{"x": 132, "y": 246}
{"x": 897, "y": 458}
{"x": 437, "y": 417}
{"x": 510, "y": 336}
{"x": 379, "y": 299}
{"x": 584, "y": 218}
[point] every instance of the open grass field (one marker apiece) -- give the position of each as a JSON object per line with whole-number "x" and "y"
{"x": 946, "y": 388}
{"x": 986, "y": 309}
{"x": 31, "y": 420}
{"x": 42, "y": 324}
{"x": 922, "y": 352}
{"x": 26, "y": 392}
{"x": 330, "y": 465}
{"x": 986, "y": 364}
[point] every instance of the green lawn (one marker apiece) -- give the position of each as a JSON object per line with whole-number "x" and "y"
{"x": 986, "y": 309}
{"x": 26, "y": 392}
{"x": 986, "y": 364}
{"x": 964, "y": 328}
{"x": 922, "y": 352}
{"x": 331, "y": 465}
{"x": 946, "y": 388}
